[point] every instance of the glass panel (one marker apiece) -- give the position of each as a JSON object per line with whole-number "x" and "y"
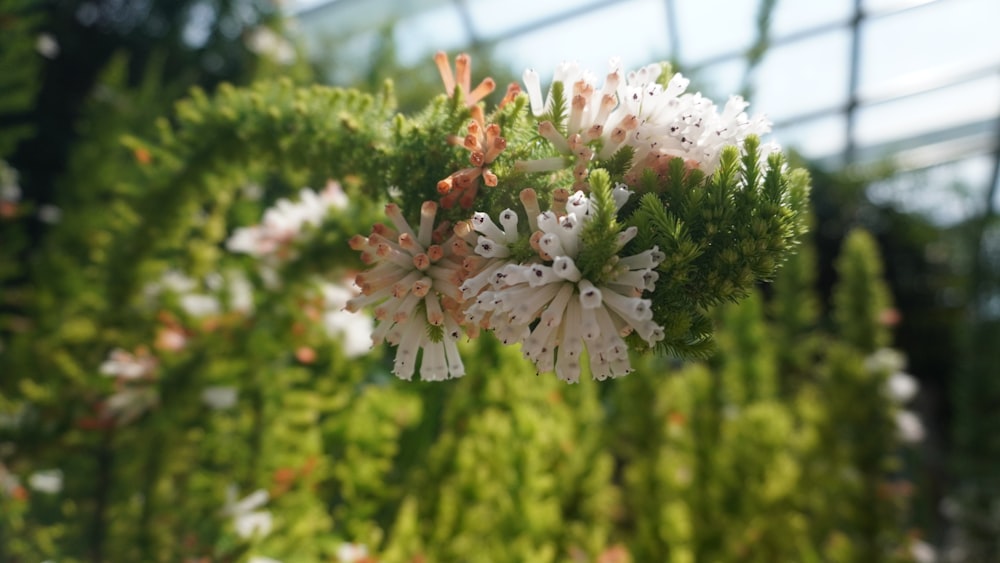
{"x": 709, "y": 28}
{"x": 592, "y": 39}
{"x": 718, "y": 81}
{"x": 343, "y": 59}
{"x": 493, "y": 19}
{"x": 879, "y": 6}
{"x": 420, "y": 36}
{"x": 793, "y": 16}
{"x": 804, "y": 76}
{"x": 816, "y": 138}
{"x": 941, "y": 109}
{"x": 940, "y": 38}
{"x": 946, "y": 194}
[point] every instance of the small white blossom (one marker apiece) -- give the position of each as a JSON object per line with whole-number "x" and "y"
{"x": 47, "y": 46}
{"x": 200, "y": 304}
{"x": 10, "y": 188}
{"x": 923, "y": 552}
{"x": 351, "y": 552}
{"x": 903, "y": 387}
{"x": 49, "y": 214}
{"x": 130, "y": 402}
{"x": 283, "y": 223}
{"x": 133, "y": 395}
{"x": 125, "y": 365}
{"x": 240, "y": 292}
{"x": 48, "y": 481}
{"x": 220, "y": 397}
{"x": 266, "y": 42}
{"x": 885, "y": 360}
{"x": 259, "y": 559}
{"x": 353, "y": 329}
{"x": 247, "y": 519}
{"x": 909, "y": 427}
{"x": 9, "y": 483}
{"x": 900, "y": 386}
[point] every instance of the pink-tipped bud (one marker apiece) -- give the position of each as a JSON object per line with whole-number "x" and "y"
{"x": 465, "y": 231}
{"x": 496, "y": 147}
{"x": 485, "y": 88}
{"x": 472, "y": 263}
{"x": 421, "y": 262}
{"x": 406, "y": 242}
{"x": 548, "y": 130}
{"x": 513, "y": 89}
{"x": 422, "y": 287}
{"x": 463, "y": 72}
{"x": 435, "y": 253}
{"x": 358, "y": 242}
{"x": 559, "y": 198}
{"x": 444, "y": 68}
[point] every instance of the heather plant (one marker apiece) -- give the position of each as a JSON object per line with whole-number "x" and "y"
{"x": 199, "y": 368}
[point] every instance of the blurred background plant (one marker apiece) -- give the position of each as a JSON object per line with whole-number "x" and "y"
{"x": 164, "y": 399}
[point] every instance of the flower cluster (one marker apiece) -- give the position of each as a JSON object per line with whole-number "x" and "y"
{"x": 548, "y": 305}
{"x": 657, "y": 121}
{"x": 134, "y": 375}
{"x": 414, "y": 283}
{"x": 10, "y": 191}
{"x": 248, "y": 519}
{"x": 575, "y": 279}
{"x": 901, "y": 388}
{"x": 285, "y": 222}
{"x": 354, "y": 330}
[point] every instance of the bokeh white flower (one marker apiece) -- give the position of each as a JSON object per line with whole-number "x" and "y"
{"x": 351, "y": 552}
{"x": 352, "y": 329}
{"x": 219, "y": 397}
{"x": 48, "y": 481}
{"x": 248, "y": 520}
{"x": 284, "y": 223}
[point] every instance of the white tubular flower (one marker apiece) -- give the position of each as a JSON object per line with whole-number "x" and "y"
{"x": 266, "y": 42}
{"x": 220, "y": 397}
{"x": 283, "y": 223}
{"x": 130, "y": 402}
{"x": 633, "y": 109}
{"x": 247, "y": 520}
{"x": 903, "y": 387}
{"x": 900, "y": 386}
{"x": 909, "y": 427}
{"x": 351, "y": 552}
{"x": 10, "y": 191}
{"x": 415, "y": 287}
{"x": 49, "y": 481}
{"x": 555, "y": 313}
{"x": 492, "y": 244}
{"x": 354, "y": 330}
{"x": 127, "y": 366}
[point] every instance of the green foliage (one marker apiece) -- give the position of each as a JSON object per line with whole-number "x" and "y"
{"x": 716, "y": 461}
{"x": 720, "y": 234}
{"x": 599, "y": 250}
{"x": 20, "y": 24}
{"x": 558, "y": 108}
{"x": 861, "y": 299}
{"x": 721, "y": 463}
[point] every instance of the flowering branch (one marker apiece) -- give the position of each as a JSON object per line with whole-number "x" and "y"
{"x": 614, "y": 214}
